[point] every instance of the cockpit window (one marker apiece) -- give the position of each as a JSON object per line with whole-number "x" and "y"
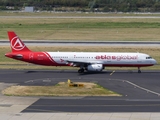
{"x": 148, "y": 57}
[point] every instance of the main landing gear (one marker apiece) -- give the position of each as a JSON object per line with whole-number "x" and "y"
{"x": 139, "y": 71}
{"x": 81, "y": 70}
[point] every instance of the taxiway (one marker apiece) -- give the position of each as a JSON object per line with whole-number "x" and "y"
{"x": 140, "y": 92}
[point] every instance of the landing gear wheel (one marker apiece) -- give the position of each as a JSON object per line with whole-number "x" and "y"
{"x": 81, "y": 70}
{"x": 139, "y": 71}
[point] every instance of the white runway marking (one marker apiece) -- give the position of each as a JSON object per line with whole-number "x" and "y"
{"x": 137, "y": 86}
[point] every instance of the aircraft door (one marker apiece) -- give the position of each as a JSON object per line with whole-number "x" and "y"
{"x": 139, "y": 59}
{"x": 71, "y": 57}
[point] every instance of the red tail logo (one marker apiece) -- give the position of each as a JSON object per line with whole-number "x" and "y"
{"x": 16, "y": 44}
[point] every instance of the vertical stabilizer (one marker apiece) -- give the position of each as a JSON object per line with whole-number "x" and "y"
{"x": 16, "y": 43}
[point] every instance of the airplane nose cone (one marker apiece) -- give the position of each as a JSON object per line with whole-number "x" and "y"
{"x": 154, "y": 61}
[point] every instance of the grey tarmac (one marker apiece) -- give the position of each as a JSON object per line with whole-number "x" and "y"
{"x": 85, "y": 43}
{"x": 141, "y": 91}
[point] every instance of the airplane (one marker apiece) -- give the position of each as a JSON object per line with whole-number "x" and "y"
{"x": 86, "y": 61}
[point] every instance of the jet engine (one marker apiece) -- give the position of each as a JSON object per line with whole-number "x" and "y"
{"x": 95, "y": 67}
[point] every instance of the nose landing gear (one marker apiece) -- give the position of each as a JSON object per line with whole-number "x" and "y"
{"x": 139, "y": 71}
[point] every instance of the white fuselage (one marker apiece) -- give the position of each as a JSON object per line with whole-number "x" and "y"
{"x": 105, "y": 58}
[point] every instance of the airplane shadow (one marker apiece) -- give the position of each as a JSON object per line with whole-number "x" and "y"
{"x": 90, "y": 73}
{"x": 50, "y": 71}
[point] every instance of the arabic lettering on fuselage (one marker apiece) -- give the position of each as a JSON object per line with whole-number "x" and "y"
{"x": 118, "y": 57}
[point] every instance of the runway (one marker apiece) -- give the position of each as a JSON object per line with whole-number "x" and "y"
{"x": 85, "y": 43}
{"x": 140, "y": 92}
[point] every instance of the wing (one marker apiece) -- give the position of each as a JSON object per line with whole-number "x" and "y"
{"x": 79, "y": 62}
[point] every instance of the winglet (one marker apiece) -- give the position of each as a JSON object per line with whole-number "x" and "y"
{"x": 16, "y": 43}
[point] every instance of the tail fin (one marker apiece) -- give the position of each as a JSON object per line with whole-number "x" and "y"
{"x": 16, "y": 44}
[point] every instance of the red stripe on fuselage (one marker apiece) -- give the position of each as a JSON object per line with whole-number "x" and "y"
{"x": 49, "y": 57}
{"x": 50, "y": 61}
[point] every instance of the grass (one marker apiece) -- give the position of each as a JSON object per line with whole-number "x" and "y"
{"x": 104, "y": 29}
{"x": 10, "y": 63}
{"x": 61, "y": 89}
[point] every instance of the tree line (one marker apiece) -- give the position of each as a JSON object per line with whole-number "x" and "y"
{"x": 85, "y": 5}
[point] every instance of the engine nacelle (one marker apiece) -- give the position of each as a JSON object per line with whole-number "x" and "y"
{"x": 95, "y": 67}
